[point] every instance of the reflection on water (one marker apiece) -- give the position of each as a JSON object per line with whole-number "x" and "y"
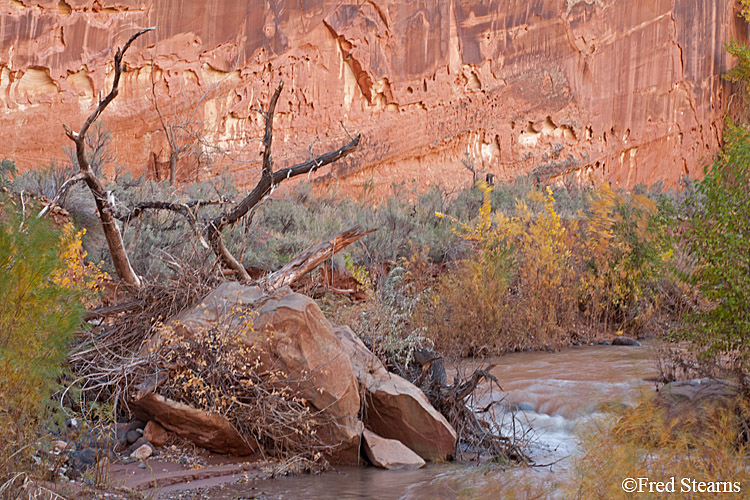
{"x": 431, "y": 482}
{"x": 551, "y": 393}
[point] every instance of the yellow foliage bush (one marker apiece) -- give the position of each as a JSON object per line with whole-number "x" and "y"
{"x": 77, "y": 274}
{"x": 43, "y": 287}
{"x": 532, "y": 279}
{"x": 622, "y": 253}
{"x": 466, "y": 310}
{"x": 511, "y": 291}
{"x": 544, "y": 302}
{"x": 644, "y": 443}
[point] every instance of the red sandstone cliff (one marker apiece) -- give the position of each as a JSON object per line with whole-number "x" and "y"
{"x": 625, "y": 90}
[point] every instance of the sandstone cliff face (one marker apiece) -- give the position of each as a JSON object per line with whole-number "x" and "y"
{"x": 623, "y": 90}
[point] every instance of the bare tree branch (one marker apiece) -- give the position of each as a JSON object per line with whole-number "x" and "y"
{"x": 103, "y": 199}
{"x": 268, "y": 136}
{"x": 80, "y": 176}
{"x": 115, "y": 90}
{"x": 264, "y": 185}
{"x": 268, "y": 181}
{"x": 316, "y": 163}
{"x": 229, "y": 259}
{"x": 183, "y": 208}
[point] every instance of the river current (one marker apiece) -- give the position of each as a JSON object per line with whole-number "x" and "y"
{"x": 549, "y": 397}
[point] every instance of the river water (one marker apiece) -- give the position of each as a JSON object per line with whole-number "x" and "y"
{"x": 550, "y": 396}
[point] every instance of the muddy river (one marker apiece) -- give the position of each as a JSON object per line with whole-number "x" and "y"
{"x": 550, "y": 395}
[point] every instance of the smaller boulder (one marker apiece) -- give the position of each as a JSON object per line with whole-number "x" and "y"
{"x": 136, "y": 445}
{"x": 623, "y": 340}
{"x": 396, "y": 408}
{"x": 389, "y": 454}
{"x": 143, "y": 452}
{"x": 156, "y": 434}
{"x": 133, "y": 436}
{"x": 82, "y": 460}
{"x": 686, "y": 398}
{"x": 207, "y": 430}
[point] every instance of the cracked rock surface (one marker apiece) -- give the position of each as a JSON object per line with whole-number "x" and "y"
{"x": 627, "y": 91}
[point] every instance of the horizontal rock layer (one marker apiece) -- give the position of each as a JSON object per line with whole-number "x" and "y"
{"x": 623, "y": 90}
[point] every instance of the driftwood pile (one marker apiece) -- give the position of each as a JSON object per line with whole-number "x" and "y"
{"x": 478, "y": 439}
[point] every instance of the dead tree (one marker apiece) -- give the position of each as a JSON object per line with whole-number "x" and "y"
{"x": 212, "y": 232}
{"x": 104, "y": 200}
{"x": 181, "y": 135}
{"x": 267, "y": 183}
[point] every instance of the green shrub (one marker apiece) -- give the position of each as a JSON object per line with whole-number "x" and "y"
{"x": 717, "y": 237}
{"x": 7, "y": 172}
{"x": 42, "y": 306}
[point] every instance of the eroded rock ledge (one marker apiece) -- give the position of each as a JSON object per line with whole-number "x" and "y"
{"x": 627, "y": 91}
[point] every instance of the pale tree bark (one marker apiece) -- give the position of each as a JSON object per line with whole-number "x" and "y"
{"x": 311, "y": 257}
{"x": 103, "y": 199}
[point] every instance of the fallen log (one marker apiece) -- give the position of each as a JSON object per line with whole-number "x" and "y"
{"x": 311, "y": 257}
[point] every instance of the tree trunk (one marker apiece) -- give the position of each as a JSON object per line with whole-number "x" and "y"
{"x": 103, "y": 199}
{"x": 172, "y": 167}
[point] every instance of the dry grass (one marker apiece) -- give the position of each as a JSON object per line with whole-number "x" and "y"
{"x": 645, "y": 443}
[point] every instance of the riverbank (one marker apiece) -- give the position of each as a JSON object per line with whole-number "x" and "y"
{"x": 550, "y": 395}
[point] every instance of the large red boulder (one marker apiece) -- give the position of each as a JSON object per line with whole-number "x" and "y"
{"x": 293, "y": 341}
{"x": 396, "y": 408}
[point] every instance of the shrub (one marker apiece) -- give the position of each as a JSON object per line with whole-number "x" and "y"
{"x": 515, "y": 287}
{"x": 717, "y": 237}
{"x": 624, "y": 251}
{"x": 530, "y": 274}
{"x": 465, "y": 311}
{"x": 543, "y": 299}
{"x": 7, "y": 171}
{"x": 387, "y": 320}
{"x": 645, "y": 443}
{"x": 41, "y": 293}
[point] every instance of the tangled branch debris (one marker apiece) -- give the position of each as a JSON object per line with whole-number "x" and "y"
{"x": 215, "y": 370}
{"x": 477, "y": 438}
{"x": 108, "y": 356}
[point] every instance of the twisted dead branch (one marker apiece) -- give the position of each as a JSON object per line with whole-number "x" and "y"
{"x": 104, "y": 201}
{"x": 476, "y": 436}
{"x": 267, "y": 183}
